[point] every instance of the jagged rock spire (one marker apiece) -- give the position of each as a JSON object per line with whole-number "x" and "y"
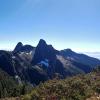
{"x": 42, "y": 52}
{"x": 18, "y": 47}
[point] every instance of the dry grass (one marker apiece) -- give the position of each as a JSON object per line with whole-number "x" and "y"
{"x": 12, "y": 98}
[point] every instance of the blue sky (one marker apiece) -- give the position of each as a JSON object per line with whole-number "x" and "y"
{"x": 65, "y": 24}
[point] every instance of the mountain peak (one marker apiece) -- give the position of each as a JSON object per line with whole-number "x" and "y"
{"x": 18, "y": 46}
{"x": 43, "y": 51}
{"x": 68, "y": 49}
{"x": 23, "y": 48}
{"x": 42, "y": 42}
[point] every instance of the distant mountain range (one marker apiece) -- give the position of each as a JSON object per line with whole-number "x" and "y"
{"x": 38, "y": 64}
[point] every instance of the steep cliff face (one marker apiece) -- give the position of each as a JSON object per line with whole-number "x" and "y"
{"x": 46, "y": 56}
{"x": 44, "y": 52}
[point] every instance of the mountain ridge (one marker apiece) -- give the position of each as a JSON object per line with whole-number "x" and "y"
{"x": 43, "y": 62}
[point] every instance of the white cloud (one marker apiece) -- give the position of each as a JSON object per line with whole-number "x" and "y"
{"x": 93, "y": 54}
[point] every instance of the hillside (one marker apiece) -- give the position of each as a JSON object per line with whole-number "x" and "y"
{"x": 82, "y": 58}
{"x": 81, "y": 87}
{"x": 9, "y": 87}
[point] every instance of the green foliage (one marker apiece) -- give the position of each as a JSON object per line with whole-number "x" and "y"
{"x": 10, "y": 88}
{"x": 76, "y": 88}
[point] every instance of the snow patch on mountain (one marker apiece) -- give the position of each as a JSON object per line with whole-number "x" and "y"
{"x": 45, "y": 62}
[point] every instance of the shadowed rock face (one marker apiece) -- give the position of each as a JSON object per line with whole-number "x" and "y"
{"x": 6, "y": 62}
{"x": 42, "y": 52}
{"x": 47, "y": 52}
{"x": 18, "y": 47}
